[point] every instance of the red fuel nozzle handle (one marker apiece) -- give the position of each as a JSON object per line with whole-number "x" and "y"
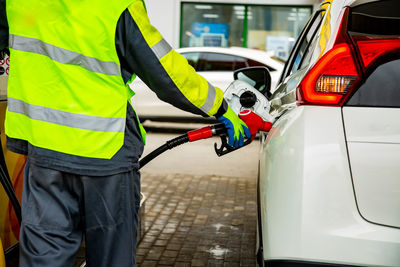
{"x": 206, "y": 132}
{"x": 254, "y": 122}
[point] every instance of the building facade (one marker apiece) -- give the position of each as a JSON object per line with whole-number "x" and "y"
{"x": 258, "y": 24}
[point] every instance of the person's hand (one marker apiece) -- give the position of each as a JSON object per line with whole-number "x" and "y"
{"x": 236, "y": 128}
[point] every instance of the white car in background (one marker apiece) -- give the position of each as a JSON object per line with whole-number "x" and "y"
{"x": 216, "y": 65}
{"x": 329, "y": 182}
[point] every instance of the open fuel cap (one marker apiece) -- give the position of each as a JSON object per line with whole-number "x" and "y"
{"x": 248, "y": 99}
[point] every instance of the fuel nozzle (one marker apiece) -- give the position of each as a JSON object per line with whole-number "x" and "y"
{"x": 254, "y": 122}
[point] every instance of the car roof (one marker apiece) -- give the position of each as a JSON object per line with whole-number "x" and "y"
{"x": 353, "y": 3}
{"x": 350, "y": 3}
{"x": 253, "y": 54}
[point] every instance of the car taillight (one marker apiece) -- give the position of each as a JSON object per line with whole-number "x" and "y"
{"x": 334, "y": 74}
{"x": 373, "y": 47}
{"x": 330, "y": 78}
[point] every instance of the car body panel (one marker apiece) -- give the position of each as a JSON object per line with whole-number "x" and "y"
{"x": 307, "y": 201}
{"x": 311, "y": 209}
{"x": 373, "y": 138}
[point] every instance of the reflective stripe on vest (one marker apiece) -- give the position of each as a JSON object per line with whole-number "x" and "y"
{"x": 79, "y": 121}
{"x": 62, "y": 55}
{"x": 208, "y": 105}
{"x": 161, "y": 48}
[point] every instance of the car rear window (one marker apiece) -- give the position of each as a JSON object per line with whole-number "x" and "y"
{"x": 381, "y": 89}
{"x": 379, "y": 19}
{"x": 376, "y": 18}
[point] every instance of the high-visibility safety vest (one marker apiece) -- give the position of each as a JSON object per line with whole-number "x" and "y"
{"x": 65, "y": 90}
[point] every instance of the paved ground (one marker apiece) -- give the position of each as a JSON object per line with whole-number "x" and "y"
{"x": 200, "y": 209}
{"x": 194, "y": 220}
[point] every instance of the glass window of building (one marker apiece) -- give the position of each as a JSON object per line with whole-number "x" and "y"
{"x": 274, "y": 28}
{"x": 210, "y": 25}
{"x": 264, "y": 27}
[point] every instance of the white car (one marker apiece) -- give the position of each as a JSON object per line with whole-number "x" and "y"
{"x": 216, "y": 65}
{"x": 329, "y": 182}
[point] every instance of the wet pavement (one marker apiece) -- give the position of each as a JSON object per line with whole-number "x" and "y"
{"x": 200, "y": 210}
{"x": 195, "y": 220}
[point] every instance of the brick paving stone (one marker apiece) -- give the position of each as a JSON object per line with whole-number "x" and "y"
{"x": 175, "y": 247}
{"x": 149, "y": 238}
{"x": 189, "y": 245}
{"x": 182, "y": 264}
{"x": 199, "y": 262}
{"x": 194, "y": 220}
{"x": 141, "y": 251}
{"x": 200, "y": 255}
{"x": 148, "y": 263}
{"x": 167, "y": 261}
{"x": 215, "y": 263}
{"x": 139, "y": 258}
{"x": 248, "y": 262}
{"x": 169, "y": 230}
{"x": 161, "y": 243}
{"x": 180, "y": 235}
{"x": 164, "y": 236}
{"x": 170, "y": 253}
{"x": 185, "y": 257}
{"x": 144, "y": 244}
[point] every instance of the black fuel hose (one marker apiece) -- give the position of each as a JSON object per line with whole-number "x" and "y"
{"x": 203, "y": 133}
{"x": 180, "y": 140}
{"x": 8, "y": 186}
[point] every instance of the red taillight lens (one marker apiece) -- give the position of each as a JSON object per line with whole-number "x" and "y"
{"x": 330, "y": 78}
{"x": 371, "y": 48}
{"x": 334, "y": 74}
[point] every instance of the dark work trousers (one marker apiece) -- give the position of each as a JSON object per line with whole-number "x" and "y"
{"x": 58, "y": 208}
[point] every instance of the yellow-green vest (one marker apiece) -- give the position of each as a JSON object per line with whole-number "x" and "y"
{"x": 65, "y": 90}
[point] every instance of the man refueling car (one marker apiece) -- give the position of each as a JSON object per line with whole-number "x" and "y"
{"x": 69, "y": 112}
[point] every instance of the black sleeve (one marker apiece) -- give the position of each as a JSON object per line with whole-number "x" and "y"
{"x": 3, "y": 26}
